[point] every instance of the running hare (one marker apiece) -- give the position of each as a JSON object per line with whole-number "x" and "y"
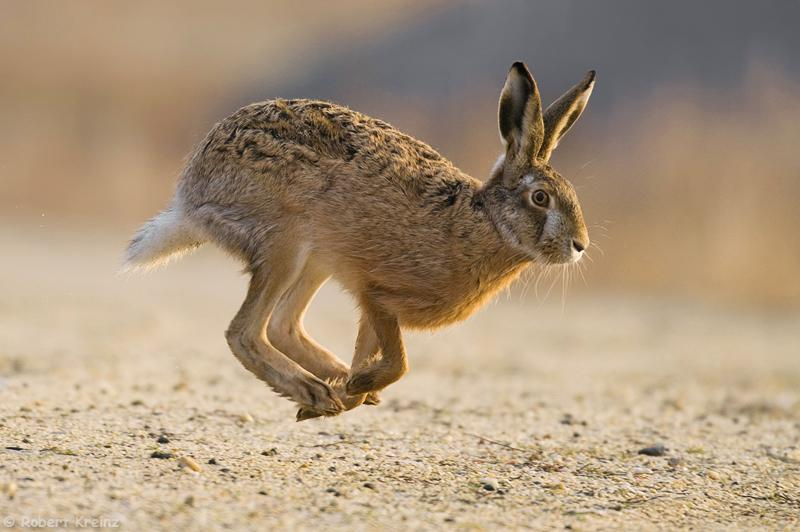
{"x": 304, "y": 190}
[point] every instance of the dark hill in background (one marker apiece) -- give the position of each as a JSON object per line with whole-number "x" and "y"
{"x": 635, "y": 46}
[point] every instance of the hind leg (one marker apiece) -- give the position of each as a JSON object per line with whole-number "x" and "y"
{"x": 247, "y": 337}
{"x": 287, "y": 333}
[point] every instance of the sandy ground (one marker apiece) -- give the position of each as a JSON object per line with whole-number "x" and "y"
{"x": 526, "y": 416}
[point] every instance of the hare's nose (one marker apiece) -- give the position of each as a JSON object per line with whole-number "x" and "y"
{"x": 579, "y": 246}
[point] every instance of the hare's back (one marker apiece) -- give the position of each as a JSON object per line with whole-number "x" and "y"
{"x": 326, "y": 141}
{"x": 328, "y": 162}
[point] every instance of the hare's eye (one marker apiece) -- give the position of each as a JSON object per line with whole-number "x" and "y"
{"x": 540, "y": 198}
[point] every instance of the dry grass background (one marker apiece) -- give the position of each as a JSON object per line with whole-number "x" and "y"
{"x": 685, "y": 331}
{"x": 689, "y": 188}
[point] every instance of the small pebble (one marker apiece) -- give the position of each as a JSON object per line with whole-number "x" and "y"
{"x": 713, "y": 475}
{"x": 162, "y": 439}
{"x": 213, "y": 461}
{"x": 189, "y": 501}
{"x": 188, "y": 461}
{"x": 246, "y": 418}
{"x": 655, "y": 450}
{"x": 9, "y": 489}
{"x": 369, "y": 485}
{"x": 271, "y": 452}
{"x": 489, "y": 484}
{"x": 163, "y": 455}
{"x": 675, "y": 461}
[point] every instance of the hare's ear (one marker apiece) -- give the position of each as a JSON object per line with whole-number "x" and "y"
{"x": 520, "y": 115}
{"x": 562, "y": 113}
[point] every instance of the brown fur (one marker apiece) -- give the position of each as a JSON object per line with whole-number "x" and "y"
{"x": 305, "y": 190}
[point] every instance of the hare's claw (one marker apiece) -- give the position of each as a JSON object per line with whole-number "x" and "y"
{"x": 304, "y": 413}
{"x": 372, "y": 399}
{"x": 320, "y": 397}
{"x": 361, "y": 383}
{"x": 342, "y": 399}
{"x": 349, "y": 401}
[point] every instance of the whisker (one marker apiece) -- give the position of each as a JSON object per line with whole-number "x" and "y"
{"x": 543, "y": 272}
{"x": 580, "y": 271}
{"x": 597, "y": 246}
{"x": 526, "y": 281}
{"x": 552, "y": 284}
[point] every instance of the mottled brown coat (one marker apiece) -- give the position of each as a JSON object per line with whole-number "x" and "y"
{"x": 304, "y": 190}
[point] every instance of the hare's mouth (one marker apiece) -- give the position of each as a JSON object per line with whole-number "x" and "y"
{"x": 551, "y": 257}
{"x": 575, "y": 256}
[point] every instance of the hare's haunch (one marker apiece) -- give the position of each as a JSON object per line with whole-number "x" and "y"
{"x": 304, "y": 190}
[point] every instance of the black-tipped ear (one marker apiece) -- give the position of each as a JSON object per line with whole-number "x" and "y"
{"x": 562, "y": 113}
{"x": 520, "y": 114}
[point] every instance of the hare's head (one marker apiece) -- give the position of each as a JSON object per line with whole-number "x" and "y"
{"x": 534, "y": 207}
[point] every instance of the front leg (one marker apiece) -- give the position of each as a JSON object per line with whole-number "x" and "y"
{"x": 393, "y": 364}
{"x": 366, "y": 351}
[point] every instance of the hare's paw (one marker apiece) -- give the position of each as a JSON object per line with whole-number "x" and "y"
{"x": 348, "y": 402}
{"x": 376, "y": 376}
{"x": 316, "y": 395}
{"x": 372, "y": 399}
{"x": 361, "y": 382}
{"x": 304, "y": 413}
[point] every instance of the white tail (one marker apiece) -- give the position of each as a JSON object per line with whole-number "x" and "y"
{"x": 164, "y": 237}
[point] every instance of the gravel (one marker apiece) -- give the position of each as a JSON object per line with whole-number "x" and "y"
{"x": 490, "y": 484}
{"x": 162, "y": 455}
{"x": 483, "y": 405}
{"x": 654, "y": 450}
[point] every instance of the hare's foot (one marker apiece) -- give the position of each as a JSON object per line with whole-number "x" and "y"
{"x": 348, "y": 402}
{"x": 304, "y": 413}
{"x": 364, "y": 381}
{"x": 378, "y": 330}
{"x": 374, "y": 378}
{"x": 372, "y": 399}
{"x": 318, "y": 396}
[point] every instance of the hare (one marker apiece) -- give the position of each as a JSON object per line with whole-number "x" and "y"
{"x": 304, "y": 190}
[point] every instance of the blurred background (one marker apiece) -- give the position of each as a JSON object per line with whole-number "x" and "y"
{"x": 685, "y": 332}
{"x": 685, "y": 161}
